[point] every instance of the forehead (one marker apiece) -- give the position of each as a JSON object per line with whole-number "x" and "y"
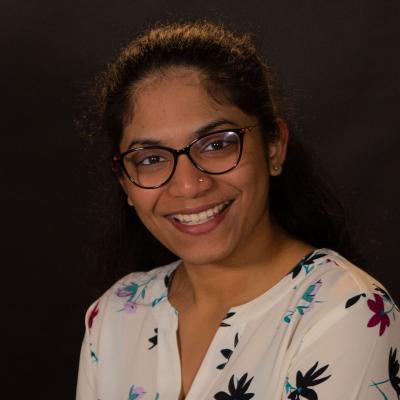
{"x": 176, "y": 92}
{"x": 169, "y": 106}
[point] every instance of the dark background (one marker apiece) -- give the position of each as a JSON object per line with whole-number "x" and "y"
{"x": 337, "y": 61}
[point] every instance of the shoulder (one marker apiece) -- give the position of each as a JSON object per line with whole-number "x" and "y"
{"x": 339, "y": 293}
{"x": 135, "y": 291}
{"x": 335, "y": 275}
{"x": 345, "y": 321}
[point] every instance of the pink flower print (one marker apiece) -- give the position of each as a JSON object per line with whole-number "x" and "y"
{"x": 135, "y": 393}
{"x": 380, "y": 316}
{"x": 93, "y": 315}
{"x": 130, "y": 307}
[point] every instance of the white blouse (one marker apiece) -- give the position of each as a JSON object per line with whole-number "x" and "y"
{"x": 326, "y": 331}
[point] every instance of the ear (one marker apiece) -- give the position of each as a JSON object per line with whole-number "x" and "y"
{"x": 277, "y": 148}
{"x": 122, "y": 182}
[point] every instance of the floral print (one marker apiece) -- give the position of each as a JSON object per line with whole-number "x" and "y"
{"x": 353, "y": 300}
{"x": 394, "y": 379}
{"x": 381, "y": 313}
{"x": 229, "y": 315}
{"x": 228, "y": 352}
{"x": 382, "y": 306}
{"x": 237, "y": 391}
{"x": 93, "y": 355}
{"x": 307, "y": 301}
{"x": 154, "y": 339}
{"x": 394, "y": 371}
{"x": 303, "y": 383}
{"x": 136, "y": 393}
{"x": 132, "y": 292}
{"x": 275, "y": 340}
{"x": 93, "y": 315}
{"x": 306, "y": 264}
{"x": 380, "y": 316}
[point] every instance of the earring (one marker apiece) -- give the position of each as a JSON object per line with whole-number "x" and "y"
{"x": 277, "y": 169}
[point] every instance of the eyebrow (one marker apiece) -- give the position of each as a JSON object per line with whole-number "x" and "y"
{"x": 198, "y": 133}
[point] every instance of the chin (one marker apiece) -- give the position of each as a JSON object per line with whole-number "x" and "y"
{"x": 204, "y": 256}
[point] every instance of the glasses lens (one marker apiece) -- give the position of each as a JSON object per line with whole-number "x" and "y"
{"x": 218, "y": 152}
{"x": 149, "y": 167}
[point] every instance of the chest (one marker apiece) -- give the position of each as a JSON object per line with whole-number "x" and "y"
{"x": 195, "y": 335}
{"x": 190, "y": 358}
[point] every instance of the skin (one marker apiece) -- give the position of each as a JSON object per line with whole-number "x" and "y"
{"x": 246, "y": 250}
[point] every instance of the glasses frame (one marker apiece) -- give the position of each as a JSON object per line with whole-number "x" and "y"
{"x": 118, "y": 160}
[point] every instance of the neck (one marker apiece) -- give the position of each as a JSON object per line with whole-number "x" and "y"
{"x": 219, "y": 286}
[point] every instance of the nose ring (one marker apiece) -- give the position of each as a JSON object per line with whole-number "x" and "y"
{"x": 201, "y": 179}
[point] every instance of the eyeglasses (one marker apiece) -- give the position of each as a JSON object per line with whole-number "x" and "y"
{"x": 153, "y": 166}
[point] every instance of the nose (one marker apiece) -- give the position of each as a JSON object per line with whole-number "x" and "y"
{"x": 188, "y": 181}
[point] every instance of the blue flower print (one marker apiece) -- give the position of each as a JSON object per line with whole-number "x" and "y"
{"x": 306, "y": 264}
{"x": 136, "y": 393}
{"x": 158, "y": 300}
{"x": 132, "y": 291}
{"x": 93, "y": 355}
{"x": 308, "y": 300}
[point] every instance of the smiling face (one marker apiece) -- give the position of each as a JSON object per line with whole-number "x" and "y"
{"x": 201, "y": 218}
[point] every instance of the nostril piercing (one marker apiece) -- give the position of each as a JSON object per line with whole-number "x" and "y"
{"x": 201, "y": 179}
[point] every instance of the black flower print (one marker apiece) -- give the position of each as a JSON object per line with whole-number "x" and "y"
{"x": 228, "y": 352}
{"x": 153, "y": 340}
{"x": 394, "y": 380}
{"x": 229, "y": 315}
{"x": 308, "y": 300}
{"x": 167, "y": 280}
{"x": 306, "y": 264}
{"x": 237, "y": 392}
{"x": 393, "y": 371}
{"x": 303, "y": 383}
{"x": 353, "y": 300}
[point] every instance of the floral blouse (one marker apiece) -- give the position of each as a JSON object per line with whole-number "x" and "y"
{"x": 326, "y": 331}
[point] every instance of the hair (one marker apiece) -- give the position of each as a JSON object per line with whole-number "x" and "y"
{"x": 300, "y": 199}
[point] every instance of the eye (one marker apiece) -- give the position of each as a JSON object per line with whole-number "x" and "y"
{"x": 146, "y": 158}
{"x": 217, "y": 145}
{"x": 218, "y": 142}
{"x": 150, "y": 160}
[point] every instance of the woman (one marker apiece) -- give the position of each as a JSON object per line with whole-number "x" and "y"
{"x": 259, "y": 303}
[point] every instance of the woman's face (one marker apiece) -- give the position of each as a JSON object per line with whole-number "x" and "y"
{"x": 169, "y": 108}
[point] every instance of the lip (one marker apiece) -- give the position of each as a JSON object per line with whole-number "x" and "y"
{"x": 197, "y": 209}
{"x": 204, "y": 227}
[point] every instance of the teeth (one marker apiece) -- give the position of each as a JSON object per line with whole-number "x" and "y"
{"x": 202, "y": 217}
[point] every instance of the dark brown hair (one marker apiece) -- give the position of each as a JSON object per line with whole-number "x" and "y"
{"x": 300, "y": 200}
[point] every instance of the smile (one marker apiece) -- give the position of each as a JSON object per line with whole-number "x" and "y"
{"x": 202, "y": 217}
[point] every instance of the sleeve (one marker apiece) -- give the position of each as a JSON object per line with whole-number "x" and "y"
{"x": 86, "y": 386}
{"x": 350, "y": 353}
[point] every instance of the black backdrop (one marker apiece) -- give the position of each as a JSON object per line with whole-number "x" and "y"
{"x": 338, "y": 61}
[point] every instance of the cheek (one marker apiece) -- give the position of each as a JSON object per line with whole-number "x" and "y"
{"x": 142, "y": 200}
{"x": 255, "y": 187}
{"x": 254, "y": 173}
